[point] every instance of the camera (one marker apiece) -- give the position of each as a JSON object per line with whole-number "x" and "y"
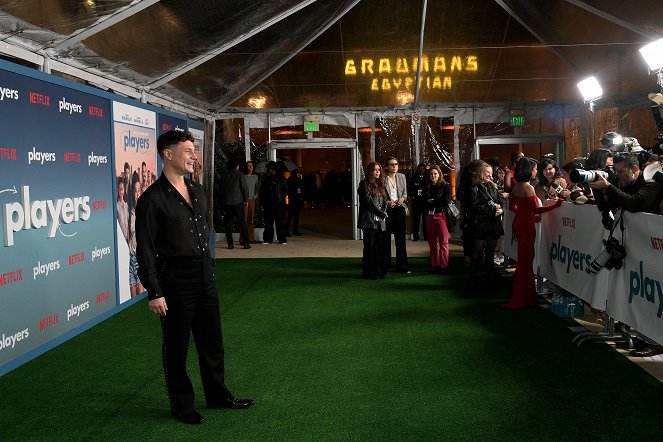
{"x": 581, "y": 176}
{"x": 611, "y": 257}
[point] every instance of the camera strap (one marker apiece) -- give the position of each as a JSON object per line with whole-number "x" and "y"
{"x": 619, "y": 221}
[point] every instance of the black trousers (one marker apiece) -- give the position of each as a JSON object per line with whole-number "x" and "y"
{"x": 237, "y": 212}
{"x": 396, "y": 227}
{"x": 372, "y": 256}
{"x": 419, "y": 212}
{"x": 293, "y": 217}
{"x": 273, "y": 214}
{"x": 193, "y": 308}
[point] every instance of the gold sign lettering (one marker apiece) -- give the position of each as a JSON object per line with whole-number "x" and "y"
{"x": 398, "y": 74}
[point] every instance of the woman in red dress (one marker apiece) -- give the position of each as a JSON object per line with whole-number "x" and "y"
{"x": 526, "y": 205}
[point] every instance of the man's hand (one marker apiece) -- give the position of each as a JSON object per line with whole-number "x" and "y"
{"x": 158, "y": 306}
{"x": 600, "y": 183}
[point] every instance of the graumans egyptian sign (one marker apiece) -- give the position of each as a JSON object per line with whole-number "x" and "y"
{"x": 400, "y": 73}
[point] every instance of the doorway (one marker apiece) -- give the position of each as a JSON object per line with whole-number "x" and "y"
{"x": 332, "y": 211}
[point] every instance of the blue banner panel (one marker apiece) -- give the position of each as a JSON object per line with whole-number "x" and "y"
{"x": 57, "y": 244}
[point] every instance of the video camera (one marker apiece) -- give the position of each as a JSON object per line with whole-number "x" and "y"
{"x": 582, "y": 176}
{"x": 611, "y": 257}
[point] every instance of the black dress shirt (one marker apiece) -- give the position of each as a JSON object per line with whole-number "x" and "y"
{"x": 168, "y": 228}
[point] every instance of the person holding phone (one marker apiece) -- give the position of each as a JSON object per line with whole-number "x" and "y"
{"x": 551, "y": 185}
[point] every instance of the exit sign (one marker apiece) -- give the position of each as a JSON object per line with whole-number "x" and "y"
{"x": 517, "y": 118}
{"x": 311, "y": 123}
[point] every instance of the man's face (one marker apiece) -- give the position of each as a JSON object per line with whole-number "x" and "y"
{"x": 181, "y": 157}
{"x": 421, "y": 170}
{"x": 249, "y": 168}
{"x": 120, "y": 190}
{"x": 126, "y": 172}
{"x": 625, "y": 175}
{"x": 392, "y": 166}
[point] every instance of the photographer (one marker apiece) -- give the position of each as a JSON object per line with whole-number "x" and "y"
{"x": 633, "y": 193}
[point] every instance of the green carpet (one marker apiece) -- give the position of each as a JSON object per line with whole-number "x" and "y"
{"x": 330, "y": 356}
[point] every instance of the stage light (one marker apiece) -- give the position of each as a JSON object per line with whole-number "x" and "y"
{"x": 590, "y": 89}
{"x": 653, "y": 55}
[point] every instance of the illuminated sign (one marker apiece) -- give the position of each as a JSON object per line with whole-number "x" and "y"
{"x": 517, "y": 118}
{"x": 400, "y": 73}
{"x": 311, "y": 123}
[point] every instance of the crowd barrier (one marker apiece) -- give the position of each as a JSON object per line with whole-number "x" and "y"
{"x": 571, "y": 237}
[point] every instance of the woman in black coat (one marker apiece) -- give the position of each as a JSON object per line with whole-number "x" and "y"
{"x": 371, "y": 220}
{"x": 485, "y": 212}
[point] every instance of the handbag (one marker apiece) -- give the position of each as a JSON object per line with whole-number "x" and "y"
{"x": 453, "y": 211}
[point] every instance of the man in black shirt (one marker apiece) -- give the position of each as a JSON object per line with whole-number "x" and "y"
{"x": 177, "y": 270}
{"x": 634, "y": 193}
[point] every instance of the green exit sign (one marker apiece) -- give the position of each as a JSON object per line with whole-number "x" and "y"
{"x": 517, "y": 118}
{"x": 311, "y": 123}
{"x": 311, "y": 126}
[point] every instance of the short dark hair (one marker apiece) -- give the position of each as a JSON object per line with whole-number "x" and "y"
{"x": 171, "y": 138}
{"x": 628, "y": 159}
{"x": 597, "y": 159}
{"x": 232, "y": 163}
{"x": 523, "y": 172}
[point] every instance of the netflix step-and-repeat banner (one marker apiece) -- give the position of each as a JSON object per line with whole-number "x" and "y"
{"x": 57, "y": 258}
{"x": 571, "y": 240}
{"x": 73, "y": 162}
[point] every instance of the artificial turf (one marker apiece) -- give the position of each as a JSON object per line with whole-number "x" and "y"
{"x": 330, "y": 356}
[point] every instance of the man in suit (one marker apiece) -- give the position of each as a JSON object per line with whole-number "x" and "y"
{"x": 396, "y": 186}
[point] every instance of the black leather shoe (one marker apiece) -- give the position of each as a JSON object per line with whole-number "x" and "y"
{"x": 247, "y": 246}
{"x": 230, "y": 246}
{"x": 232, "y": 402}
{"x": 646, "y": 352}
{"x": 190, "y": 416}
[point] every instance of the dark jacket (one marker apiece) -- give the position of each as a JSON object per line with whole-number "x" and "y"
{"x": 273, "y": 191}
{"x": 640, "y": 196}
{"x": 295, "y": 191}
{"x": 481, "y": 211}
{"x": 441, "y": 196}
{"x": 371, "y": 208}
{"x": 416, "y": 189}
{"x": 233, "y": 188}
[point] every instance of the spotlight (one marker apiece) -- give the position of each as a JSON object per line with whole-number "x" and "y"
{"x": 590, "y": 89}
{"x": 653, "y": 55}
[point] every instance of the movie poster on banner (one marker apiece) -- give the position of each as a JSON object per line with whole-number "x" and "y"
{"x": 571, "y": 238}
{"x": 57, "y": 264}
{"x": 166, "y": 123}
{"x": 134, "y": 129}
{"x": 637, "y": 288}
{"x": 198, "y": 131}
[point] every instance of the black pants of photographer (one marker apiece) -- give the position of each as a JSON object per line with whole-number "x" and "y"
{"x": 396, "y": 227}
